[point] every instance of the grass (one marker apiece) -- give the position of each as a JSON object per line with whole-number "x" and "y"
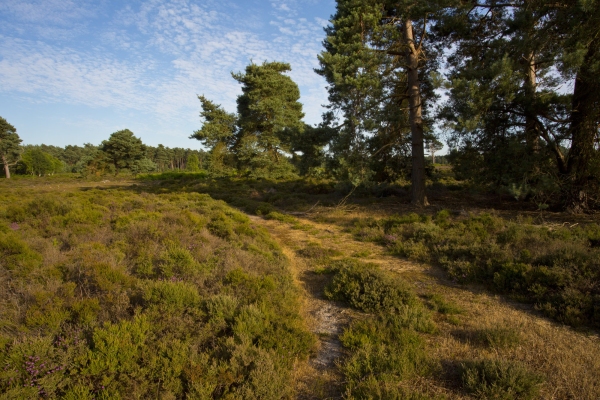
{"x": 497, "y": 337}
{"x": 114, "y": 292}
{"x": 438, "y": 303}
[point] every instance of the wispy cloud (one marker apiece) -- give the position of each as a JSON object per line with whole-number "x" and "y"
{"x": 62, "y": 12}
{"x": 156, "y": 56}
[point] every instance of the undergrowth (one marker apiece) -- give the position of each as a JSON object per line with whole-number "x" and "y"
{"x": 502, "y": 380}
{"x": 556, "y": 268}
{"x": 386, "y": 349}
{"x": 116, "y": 293}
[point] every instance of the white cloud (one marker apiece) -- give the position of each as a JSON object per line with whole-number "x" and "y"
{"x": 61, "y": 12}
{"x": 157, "y": 57}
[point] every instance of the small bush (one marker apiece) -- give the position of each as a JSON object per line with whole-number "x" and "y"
{"x": 493, "y": 379}
{"x": 385, "y": 351}
{"x": 369, "y": 289}
{"x": 173, "y": 295}
{"x": 281, "y": 217}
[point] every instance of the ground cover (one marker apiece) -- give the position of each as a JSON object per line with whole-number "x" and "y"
{"x": 111, "y": 292}
{"x": 390, "y": 318}
{"x": 447, "y": 339}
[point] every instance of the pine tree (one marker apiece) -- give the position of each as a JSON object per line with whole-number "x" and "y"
{"x": 269, "y": 111}
{"x": 509, "y": 69}
{"x": 123, "y": 150}
{"x": 377, "y": 65}
{"x": 217, "y": 133}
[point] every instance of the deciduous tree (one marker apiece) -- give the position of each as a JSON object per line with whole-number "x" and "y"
{"x": 10, "y": 148}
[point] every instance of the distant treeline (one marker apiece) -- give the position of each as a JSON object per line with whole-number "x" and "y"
{"x": 91, "y": 159}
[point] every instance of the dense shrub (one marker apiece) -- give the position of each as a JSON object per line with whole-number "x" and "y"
{"x": 367, "y": 288}
{"x": 558, "y": 269}
{"x": 385, "y": 349}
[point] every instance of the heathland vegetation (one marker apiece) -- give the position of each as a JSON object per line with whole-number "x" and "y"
{"x": 329, "y": 261}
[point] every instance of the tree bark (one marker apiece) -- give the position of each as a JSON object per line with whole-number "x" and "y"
{"x": 532, "y": 128}
{"x": 6, "y": 168}
{"x": 585, "y": 116}
{"x": 418, "y": 196}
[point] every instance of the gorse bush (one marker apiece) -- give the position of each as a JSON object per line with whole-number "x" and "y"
{"x": 558, "y": 269}
{"x": 122, "y": 293}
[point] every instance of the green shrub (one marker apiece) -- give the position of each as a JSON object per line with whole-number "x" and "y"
{"x": 15, "y": 255}
{"x": 221, "y": 226}
{"x": 493, "y": 379}
{"x": 221, "y": 307}
{"x": 367, "y": 288}
{"x": 384, "y": 351}
{"x": 281, "y": 217}
{"x": 173, "y": 295}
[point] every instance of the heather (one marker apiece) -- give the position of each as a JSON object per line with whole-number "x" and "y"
{"x": 112, "y": 292}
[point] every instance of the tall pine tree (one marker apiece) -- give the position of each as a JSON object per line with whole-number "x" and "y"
{"x": 377, "y": 62}
{"x": 269, "y": 112}
{"x": 510, "y": 66}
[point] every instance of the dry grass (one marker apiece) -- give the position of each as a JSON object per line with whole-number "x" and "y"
{"x": 568, "y": 360}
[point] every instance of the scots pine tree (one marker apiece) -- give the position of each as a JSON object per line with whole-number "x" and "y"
{"x": 123, "y": 150}
{"x": 510, "y": 66}
{"x": 217, "y": 133}
{"x": 269, "y": 111}
{"x": 377, "y": 61}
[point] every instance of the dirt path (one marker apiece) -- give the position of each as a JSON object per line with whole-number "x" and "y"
{"x": 319, "y": 378}
{"x": 569, "y": 360}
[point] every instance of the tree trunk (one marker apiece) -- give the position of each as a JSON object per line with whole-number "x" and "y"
{"x": 532, "y": 128}
{"x": 6, "y": 168}
{"x": 415, "y": 115}
{"x": 585, "y": 116}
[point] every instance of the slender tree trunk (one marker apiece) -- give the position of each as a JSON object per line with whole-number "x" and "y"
{"x": 532, "y": 128}
{"x": 585, "y": 116}
{"x": 6, "y": 168}
{"x": 418, "y": 196}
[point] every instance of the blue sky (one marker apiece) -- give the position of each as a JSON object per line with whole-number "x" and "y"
{"x": 74, "y": 71}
